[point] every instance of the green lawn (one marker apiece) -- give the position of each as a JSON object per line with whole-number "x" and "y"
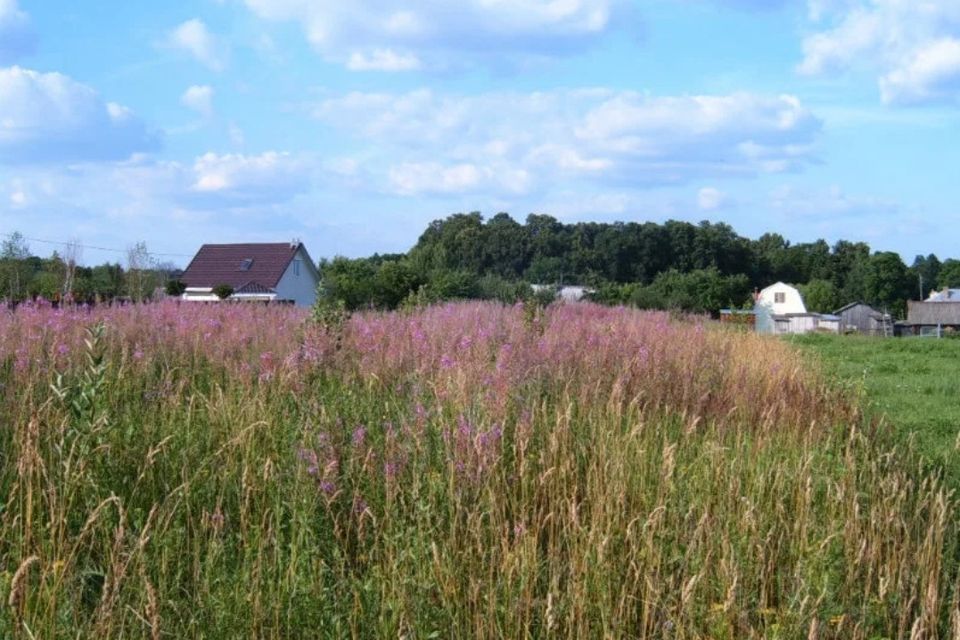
{"x": 914, "y": 383}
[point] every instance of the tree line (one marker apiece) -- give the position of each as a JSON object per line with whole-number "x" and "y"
{"x": 25, "y": 276}
{"x": 674, "y": 265}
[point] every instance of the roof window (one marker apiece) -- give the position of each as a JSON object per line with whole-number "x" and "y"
{"x": 246, "y": 264}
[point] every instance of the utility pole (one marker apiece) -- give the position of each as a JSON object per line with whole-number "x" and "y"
{"x": 921, "y": 285}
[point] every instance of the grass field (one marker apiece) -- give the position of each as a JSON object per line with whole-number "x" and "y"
{"x": 460, "y": 471}
{"x": 913, "y": 383}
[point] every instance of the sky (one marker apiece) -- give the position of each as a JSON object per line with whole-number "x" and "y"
{"x": 352, "y": 125}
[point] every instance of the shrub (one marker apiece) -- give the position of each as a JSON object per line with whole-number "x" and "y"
{"x": 175, "y": 288}
{"x": 223, "y": 291}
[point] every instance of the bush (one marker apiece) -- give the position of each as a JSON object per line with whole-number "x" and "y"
{"x": 223, "y": 291}
{"x": 175, "y": 288}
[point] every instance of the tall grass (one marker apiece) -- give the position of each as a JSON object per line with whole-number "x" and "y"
{"x": 467, "y": 470}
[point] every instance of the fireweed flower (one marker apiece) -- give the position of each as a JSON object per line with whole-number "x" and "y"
{"x": 360, "y": 506}
{"x": 313, "y": 462}
{"x": 359, "y": 436}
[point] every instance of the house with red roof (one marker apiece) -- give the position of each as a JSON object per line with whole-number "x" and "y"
{"x": 259, "y": 272}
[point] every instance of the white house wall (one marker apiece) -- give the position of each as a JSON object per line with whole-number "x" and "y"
{"x": 302, "y": 288}
{"x": 792, "y": 303}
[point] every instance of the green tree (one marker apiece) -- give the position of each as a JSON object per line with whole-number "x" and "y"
{"x": 821, "y": 296}
{"x": 949, "y": 276}
{"x": 351, "y": 281}
{"x": 107, "y": 281}
{"x": 927, "y": 272}
{"x": 505, "y": 246}
{"x": 15, "y": 274}
{"x": 886, "y": 282}
{"x": 848, "y": 269}
{"x": 698, "y": 291}
{"x": 453, "y": 285}
{"x": 394, "y": 281}
{"x": 46, "y": 285}
{"x": 140, "y": 279}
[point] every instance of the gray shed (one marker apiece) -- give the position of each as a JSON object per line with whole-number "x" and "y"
{"x": 859, "y": 317}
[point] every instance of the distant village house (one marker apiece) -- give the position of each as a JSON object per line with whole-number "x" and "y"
{"x": 566, "y": 293}
{"x": 273, "y": 272}
{"x": 937, "y": 314}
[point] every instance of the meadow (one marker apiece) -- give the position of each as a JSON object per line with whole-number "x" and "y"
{"x": 464, "y": 470}
{"x": 911, "y": 384}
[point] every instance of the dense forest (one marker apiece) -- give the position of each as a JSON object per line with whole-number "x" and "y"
{"x": 675, "y": 265}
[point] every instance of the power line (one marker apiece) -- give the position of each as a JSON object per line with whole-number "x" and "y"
{"x": 87, "y": 246}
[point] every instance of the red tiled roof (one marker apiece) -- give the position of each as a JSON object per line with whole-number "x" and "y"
{"x": 222, "y": 264}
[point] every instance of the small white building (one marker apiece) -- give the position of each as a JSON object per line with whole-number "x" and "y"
{"x": 264, "y": 272}
{"x": 781, "y": 299}
{"x": 780, "y": 309}
{"x": 568, "y": 293}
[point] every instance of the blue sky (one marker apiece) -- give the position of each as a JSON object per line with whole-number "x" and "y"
{"x": 351, "y": 125}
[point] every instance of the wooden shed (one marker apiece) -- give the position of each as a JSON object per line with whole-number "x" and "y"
{"x": 859, "y": 317}
{"x": 932, "y": 317}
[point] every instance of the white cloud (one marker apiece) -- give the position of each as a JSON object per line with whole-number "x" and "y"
{"x": 912, "y": 45}
{"x": 932, "y": 73}
{"x": 144, "y": 192}
{"x": 516, "y": 143}
{"x": 374, "y": 34}
{"x": 193, "y": 37}
{"x": 16, "y": 35}
{"x": 710, "y": 199}
{"x": 50, "y": 117}
{"x": 270, "y": 176}
{"x": 382, "y": 60}
{"x": 200, "y": 99}
{"x": 417, "y": 178}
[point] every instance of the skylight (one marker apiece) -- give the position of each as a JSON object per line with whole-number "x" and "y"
{"x": 246, "y": 264}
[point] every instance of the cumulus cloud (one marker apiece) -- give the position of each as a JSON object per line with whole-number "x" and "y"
{"x": 231, "y": 178}
{"x": 914, "y": 47}
{"x": 416, "y": 178}
{"x": 17, "y": 38}
{"x": 375, "y": 34}
{"x": 514, "y": 143}
{"x": 194, "y": 38}
{"x": 50, "y": 117}
{"x": 200, "y": 99}
{"x": 211, "y": 185}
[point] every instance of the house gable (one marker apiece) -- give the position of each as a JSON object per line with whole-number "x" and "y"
{"x": 300, "y": 280}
